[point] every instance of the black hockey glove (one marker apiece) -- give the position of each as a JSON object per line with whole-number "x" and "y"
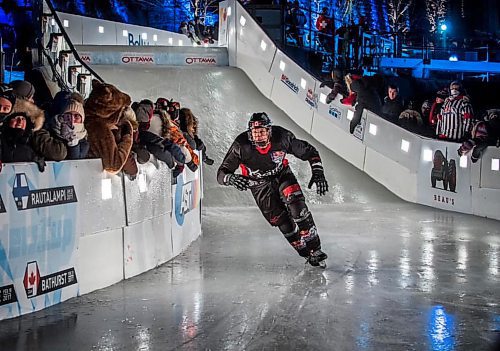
{"x": 318, "y": 178}
{"x": 238, "y": 181}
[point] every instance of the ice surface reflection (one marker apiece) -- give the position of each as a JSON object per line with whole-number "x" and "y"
{"x": 426, "y": 269}
{"x": 373, "y": 267}
{"x": 493, "y": 259}
{"x": 441, "y": 329}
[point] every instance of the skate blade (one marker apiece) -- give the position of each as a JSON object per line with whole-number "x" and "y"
{"x": 322, "y": 264}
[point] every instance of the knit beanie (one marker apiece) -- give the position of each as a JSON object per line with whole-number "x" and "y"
{"x": 22, "y": 89}
{"x": 74, "y": 106}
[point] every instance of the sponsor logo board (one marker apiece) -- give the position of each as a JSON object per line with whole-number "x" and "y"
{"x": 26, "y": 198}
{"x": 139, "y": 42}
{"x": 36, "y": 285}
{"x": 290, "y": 84}
{"x": 85, "y": 57}
{"x": 140, "y": 59}
{"x": 312, "y": 98}
{"x": 207, "y": 60}
{"x": 2, "y": 206}
{"x": 7, "y": 295}
{"x": 335, "y": 112}
{"x": 186, "y": 198}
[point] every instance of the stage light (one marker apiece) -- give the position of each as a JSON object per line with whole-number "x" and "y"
{"x": 282, "y": 66}
{"x": 444, "y": 27}
{"x": 405, "y": 145}
{"x": 303, "y": 83}
{"x": 263, "y": 45}
{"x": 453, "y": 58}
{"x": 322, "y": 98}
{"x": 427, "y": 155}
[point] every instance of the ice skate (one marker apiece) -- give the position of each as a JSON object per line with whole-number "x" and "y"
{"x": 317, "y": 259}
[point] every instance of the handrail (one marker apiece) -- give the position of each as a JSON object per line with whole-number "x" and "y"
{"x": 70, "y": 44}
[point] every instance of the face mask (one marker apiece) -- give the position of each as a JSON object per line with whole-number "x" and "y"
{"x": 454, "y": 92}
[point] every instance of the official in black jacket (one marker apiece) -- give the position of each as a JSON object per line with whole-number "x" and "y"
{"x": 261, "y": 153}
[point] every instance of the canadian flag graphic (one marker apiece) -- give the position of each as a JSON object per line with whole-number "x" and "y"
{"x": 31, "y": 279}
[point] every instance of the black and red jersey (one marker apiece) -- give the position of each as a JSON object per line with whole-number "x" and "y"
{"x": 265, "y": 163}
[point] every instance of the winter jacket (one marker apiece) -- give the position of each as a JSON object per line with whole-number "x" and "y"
{"x": 28, "y": 145}
{"x": 366, "y": 95}
{"x": 163, "y": 149}
{"x": 391, "y": 109}
{"x": 484, "y": 133}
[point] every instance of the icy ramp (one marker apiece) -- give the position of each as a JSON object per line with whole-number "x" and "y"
{"x": 223, "y": 98}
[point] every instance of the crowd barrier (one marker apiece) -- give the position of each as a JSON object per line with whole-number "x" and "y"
{"x": 415, "y": 168}
{"x": 74, "y": 228}
{"x": 149, "y": 56}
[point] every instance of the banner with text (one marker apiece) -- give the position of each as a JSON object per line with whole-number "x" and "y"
{"x": 38, "y": 237}
{"x": 202, "y": 57}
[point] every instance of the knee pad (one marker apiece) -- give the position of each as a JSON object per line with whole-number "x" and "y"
{"x": 292, "y": 193}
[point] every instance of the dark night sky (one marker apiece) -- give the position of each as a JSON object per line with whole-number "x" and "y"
{"x": 467, "y": 15}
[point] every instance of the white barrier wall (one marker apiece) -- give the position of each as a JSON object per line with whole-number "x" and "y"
{"x": 74, "y": 228}
{"x": 149, "y": 56}
{"x": 93, "y": 31}
{"x": 415, "y": 168}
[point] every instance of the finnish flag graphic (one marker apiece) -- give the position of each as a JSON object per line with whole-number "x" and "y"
{"x": 21, "y": 191}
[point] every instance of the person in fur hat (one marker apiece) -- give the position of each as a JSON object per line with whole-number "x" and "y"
{"x": 20, "y": 142}
{"x": 66, "y": 122}
{"x": 109, "y": 127}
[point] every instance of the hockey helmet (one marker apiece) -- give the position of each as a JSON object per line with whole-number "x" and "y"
{"x": 260, "y": 120}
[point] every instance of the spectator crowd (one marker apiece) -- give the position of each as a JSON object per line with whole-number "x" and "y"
{"x": 447, "y": 114}
{"x": 123, "y": 134}
{"x": 107, "y": 125}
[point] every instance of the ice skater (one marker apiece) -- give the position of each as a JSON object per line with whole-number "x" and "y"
{"x": 261, "y": 152}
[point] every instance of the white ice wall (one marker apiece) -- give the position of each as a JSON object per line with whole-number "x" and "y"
{"x": 104, "y": 227}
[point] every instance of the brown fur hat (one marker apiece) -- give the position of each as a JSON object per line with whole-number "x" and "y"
{"x": 106, "y": 101}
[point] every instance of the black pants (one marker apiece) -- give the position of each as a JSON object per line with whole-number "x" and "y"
{"x": 283, "y": 205}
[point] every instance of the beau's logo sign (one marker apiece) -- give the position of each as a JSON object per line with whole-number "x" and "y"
{"x": 36, "y": 285}
{"x": 26, "y": 198}
{"x": 138, "y": 59}
{"x": 201, "y": 60}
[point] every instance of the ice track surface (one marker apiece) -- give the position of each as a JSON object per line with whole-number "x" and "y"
{"x": 399, "y": 276}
